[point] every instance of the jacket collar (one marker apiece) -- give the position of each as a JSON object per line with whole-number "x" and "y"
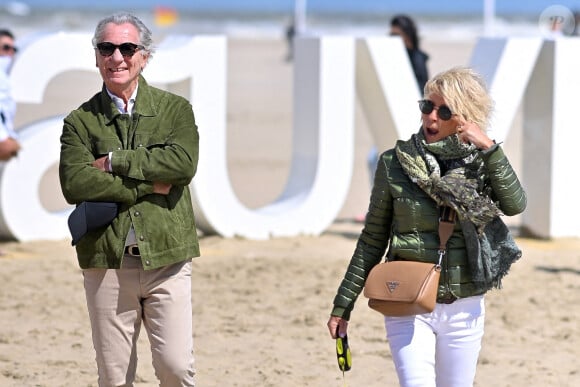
{"x": 144, "y": 102}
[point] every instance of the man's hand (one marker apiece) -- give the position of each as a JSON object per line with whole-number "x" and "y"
{"x": 161, "y": 188}
{"x": 102, "y": 163}
{"x": 8, "y": 149}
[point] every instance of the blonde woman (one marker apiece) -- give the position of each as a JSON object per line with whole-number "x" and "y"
{"x": 449, "y": 163}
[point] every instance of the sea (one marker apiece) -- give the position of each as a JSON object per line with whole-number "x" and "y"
{"x": 445, "y": 19}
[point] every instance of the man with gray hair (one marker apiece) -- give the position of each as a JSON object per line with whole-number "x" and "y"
{"x": 136, "y": 146}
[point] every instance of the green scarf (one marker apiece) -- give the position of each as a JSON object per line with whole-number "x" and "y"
{"x": 451, "y": 173}
{"x": 460, "y": 186}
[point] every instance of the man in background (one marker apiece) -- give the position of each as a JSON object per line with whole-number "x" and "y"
{"x": 9, "y": 145}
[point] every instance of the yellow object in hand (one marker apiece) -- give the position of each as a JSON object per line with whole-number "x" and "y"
{"x": 343, "y": 353}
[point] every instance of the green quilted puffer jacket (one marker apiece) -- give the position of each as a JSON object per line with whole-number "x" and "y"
{"x": 403, "y": 215}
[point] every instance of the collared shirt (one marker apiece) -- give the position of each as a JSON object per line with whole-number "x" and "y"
{"x": 120, "y": 104}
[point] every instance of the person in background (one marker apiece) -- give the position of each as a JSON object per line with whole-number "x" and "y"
{"x": 404, "y": 27}
{"x": 576, "y": 29}
{"x": 290, "y": 34}
{"x": 450, "y": 163}
{"x": 135, "y": 145}
{"x": 9, "y": 145}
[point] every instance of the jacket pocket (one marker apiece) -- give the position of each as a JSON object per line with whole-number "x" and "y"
{"x": 103, "y": 146}
{"x": 149, "y": 140}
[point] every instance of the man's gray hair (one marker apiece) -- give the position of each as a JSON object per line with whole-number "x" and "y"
{"x": 145, "y": 36}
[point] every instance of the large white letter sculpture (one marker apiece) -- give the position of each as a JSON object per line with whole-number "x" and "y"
{"x": 322, "y": 152}
{"x": 22, "y": 215}
{"x": 506, "y": 65}
{"x": 387, "y": 89}
{"x": 549, "y": 69}
{"x": 322, "y": 155}
{"x": 550, "y": 139}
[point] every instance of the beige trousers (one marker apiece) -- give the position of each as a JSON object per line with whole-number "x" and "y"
{"x": 119, "y": 301}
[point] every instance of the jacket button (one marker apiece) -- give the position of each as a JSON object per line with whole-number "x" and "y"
{"x": 141, "y": 238}
{"x": 137, "y": 213}
{"x": 148, "y": 263}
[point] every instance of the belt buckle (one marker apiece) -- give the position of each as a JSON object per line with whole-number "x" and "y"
{"x": 133, "y": 250}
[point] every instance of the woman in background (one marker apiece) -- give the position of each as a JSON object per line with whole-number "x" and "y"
{"x": 403, "y": 26}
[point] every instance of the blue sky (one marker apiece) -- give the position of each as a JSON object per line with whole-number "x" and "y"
{"x": 387, "y": 6}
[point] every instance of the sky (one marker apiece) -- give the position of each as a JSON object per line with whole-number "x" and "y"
{"x": 355, "y": 6}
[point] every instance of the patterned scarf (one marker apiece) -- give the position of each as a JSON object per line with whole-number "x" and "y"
{"x": 451, "y": 173}
{"x": 459, "y": 185}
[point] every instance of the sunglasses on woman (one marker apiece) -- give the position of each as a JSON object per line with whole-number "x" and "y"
{"x": 126, "y": 49}
{"x": 443, "y": 112}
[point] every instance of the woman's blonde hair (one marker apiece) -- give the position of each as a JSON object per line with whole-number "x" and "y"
{"x": 464, "y": 92}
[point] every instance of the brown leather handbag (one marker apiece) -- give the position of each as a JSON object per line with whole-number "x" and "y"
{"x": 405, "y": 288}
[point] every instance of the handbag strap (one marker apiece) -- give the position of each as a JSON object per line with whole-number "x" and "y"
{"x": 447, "y": 217}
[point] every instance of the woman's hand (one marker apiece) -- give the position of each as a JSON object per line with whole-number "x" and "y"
{"x": 471, "y": 133}
{"x": 333, "y": 323}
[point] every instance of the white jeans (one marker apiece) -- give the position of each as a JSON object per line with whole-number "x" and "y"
{"x": 439, "y": 348}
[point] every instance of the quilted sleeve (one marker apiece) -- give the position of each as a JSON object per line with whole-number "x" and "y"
{"x": 507, "y": 189}
{"x": 371, "y": 245}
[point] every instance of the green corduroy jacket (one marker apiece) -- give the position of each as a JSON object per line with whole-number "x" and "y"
{"x": 402, "y": 214}
{"x": 159, "y": 142}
